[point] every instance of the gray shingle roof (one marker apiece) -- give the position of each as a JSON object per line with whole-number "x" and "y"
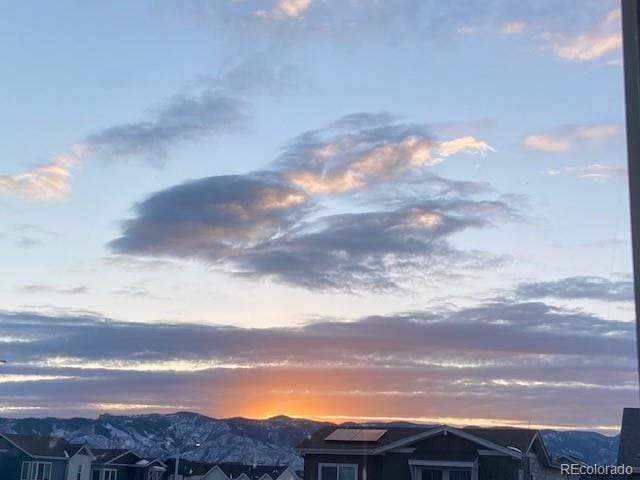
{"x": 38, "y": 446}
{"x": 504, "y": 437}
{"x": 629, "y": 450}
{"x": 104, "y": 455}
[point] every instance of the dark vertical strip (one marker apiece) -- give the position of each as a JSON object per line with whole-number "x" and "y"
{"x": 631, "y": 39}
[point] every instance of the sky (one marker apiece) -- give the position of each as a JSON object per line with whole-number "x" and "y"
{"x": 339, "y": 210}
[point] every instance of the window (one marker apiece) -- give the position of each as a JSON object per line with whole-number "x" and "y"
{"x": 338, "y": 471}
{"x": 430, "y": 474}
{"x": 95, "y": 475}
{"x": 444, "y": 474}
{"x": 40, "y": 471}
{"x": 79, "y": 474}
{"x": 24, "y": 474}
{"x": 154, "y": 475}
{"x": 460, "y": 474}
{"x": 110, "y": 474}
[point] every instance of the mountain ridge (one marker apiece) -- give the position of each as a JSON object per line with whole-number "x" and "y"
{"x": 244, "y": 440}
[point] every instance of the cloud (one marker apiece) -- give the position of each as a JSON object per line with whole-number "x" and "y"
{"x": 53, "y": 289}
{"x": 597, "y": 172}
{"x": 253, "y": 229}
{"x": 255, "y": 73}
{"x": 566, "y": 138}
{"x": 385, "y": 365}
{"x": 212, "y": 218}
{"x": 365, "y": 148}
{"x": 285, "y": 10}
{"x": 180, "y": 119}
{"x": 267, "y": 224}
{"x": 514, "y": 27}
{"x": 372, "y": 251}
{"x": 548, "y": 143}
{"x": 588, "y": 46}
{"x": 573, "y": 288}
{"x": 49, "y": 181}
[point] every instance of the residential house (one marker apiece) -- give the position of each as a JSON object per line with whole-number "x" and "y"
{"x": 187, "y": 469}
{"x": 426, "y": 453}
{"x": 629, "y": 448}
{"x": 122, "y": 464}
{"x": 31, "y": 457}
{"x": 233, "y": 471}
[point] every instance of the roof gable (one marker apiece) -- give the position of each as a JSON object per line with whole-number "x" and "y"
{"x": 472, "y": 437}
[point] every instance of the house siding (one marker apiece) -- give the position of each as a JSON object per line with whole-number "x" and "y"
{"x": 540, "y": 472}
{"x": 11, "y": 459}
{"x": 74, "y": 462}
{"x": 446, "y": 448}
{"x": 124, "y": 472}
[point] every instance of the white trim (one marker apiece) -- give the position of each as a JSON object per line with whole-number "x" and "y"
{"x": 34, "y": 470}
{"x": 216, "y": 468}
{"x": 122, "y": 455}
{"x": 291, "y": 471}
{"x": 28, "y": 463}
{"x": 444, "y": 466}
{"x": 338, "y": 465}
{"x": 439, "y": 463}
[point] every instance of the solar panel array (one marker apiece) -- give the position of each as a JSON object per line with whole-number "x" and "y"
{"x": 355, "y": 435}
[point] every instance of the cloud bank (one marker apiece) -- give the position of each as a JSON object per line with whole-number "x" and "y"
{"x": 478, "y": 360}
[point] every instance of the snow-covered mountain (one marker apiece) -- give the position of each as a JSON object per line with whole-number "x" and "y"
{"x": 270, "y": 441}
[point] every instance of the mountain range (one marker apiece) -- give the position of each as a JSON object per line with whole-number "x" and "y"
{"x": 270, "y": 441}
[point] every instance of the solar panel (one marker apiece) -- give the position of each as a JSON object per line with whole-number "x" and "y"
{"x": 369, "y": 435}
{"x": 343, "y": 434}
{"x": 355, "y": 435}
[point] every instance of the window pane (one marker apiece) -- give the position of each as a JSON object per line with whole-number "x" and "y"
{"x": 46, "y": 471}
{"x": 460, "y": 475}
{"x": 329, "y": 473}
{"x": 347, "y": 473}
{"x": 95, "y": 475}
{"x": 24, "y": 475}
{"x": 432, "y": 474}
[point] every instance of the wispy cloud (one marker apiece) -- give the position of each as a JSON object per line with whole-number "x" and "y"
{"x": 53, "y": 289}
{"x": 587, "y": 46}
{"x": 182, "y": 118}
{"x": 565, "y": 139}
{"x": 49, "y": 181}
{"x": 513, "y": 28}
{"x": 592, "y": 288}
{"x": 597, "y": 172}
{"x": 285, "y": 9}
{"x": 548, "y": 143}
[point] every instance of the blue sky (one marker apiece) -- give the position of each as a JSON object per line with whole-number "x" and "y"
{"x": 271, "y": 168}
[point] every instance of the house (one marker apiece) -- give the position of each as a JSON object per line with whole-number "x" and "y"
{"x": 122, "y": 464}
{"x": 31, "y": 457}
{"x": 234, "y": 471}
{"x": 426, "y": 453}
{"x": 187, "y": 469}
{"x": 629, "y": 448}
